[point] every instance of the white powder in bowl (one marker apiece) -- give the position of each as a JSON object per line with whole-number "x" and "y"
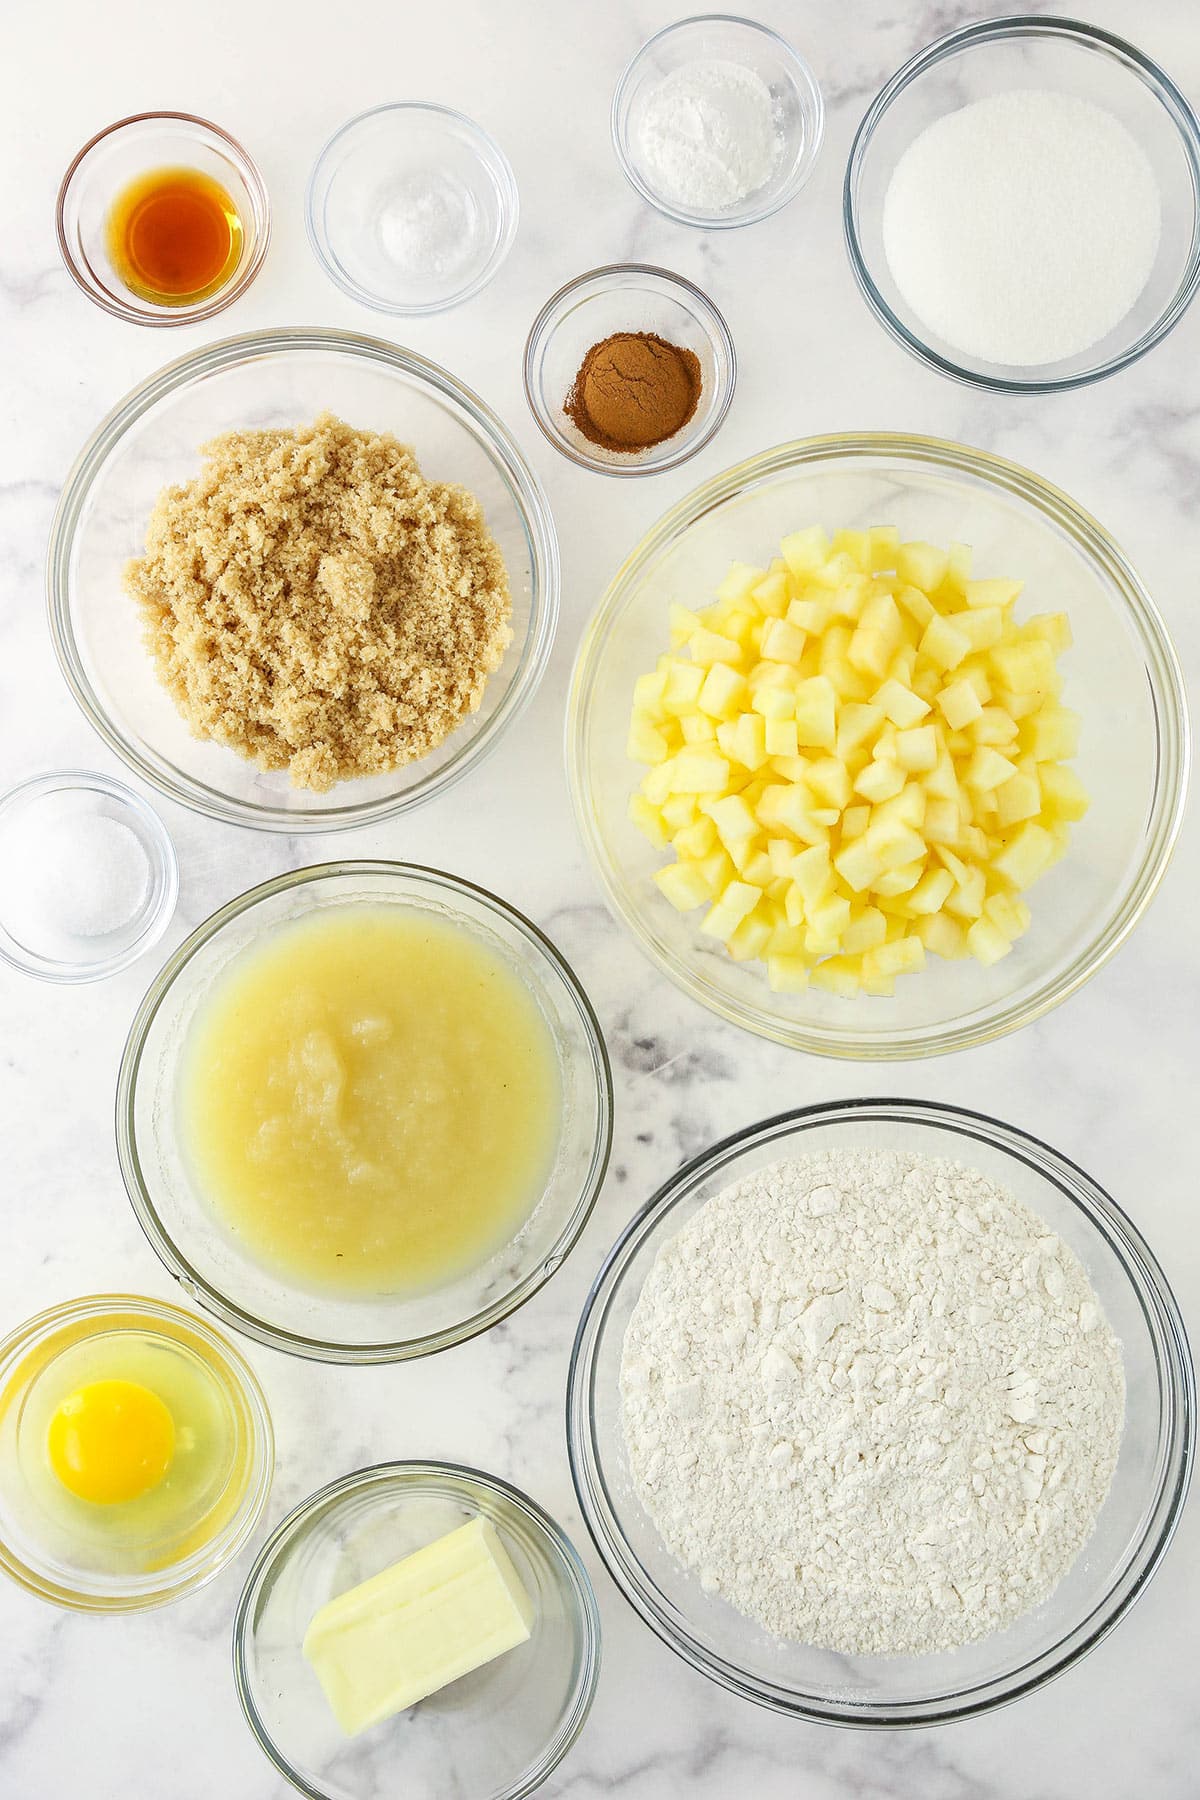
{"x": 71, "y": 876}
{"x": 707, "y": 137}
{"x": 871, "y": 1400}
{"x": 1022, "y": 228}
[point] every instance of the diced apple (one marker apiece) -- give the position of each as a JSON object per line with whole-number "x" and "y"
{"x": 1028, "y": 852}
{"x": 683, "y": 884}
{"x": 931, "y": 892}
{"x": 943, "y": 645}
{"x": 992, "y": 593}
{"x": 959, "y": 704}
{"x": 1018, "y": 798}
{"x": 681, "y": 693}
{"x": 723, "y": 691}
{"x": 897, "y": 958}
{"x": 1063, "y": 794}
{"x": 648, "y": 819}
{"x": 736, "y": 902}
{"x": 787, "y": 974}
{"x": 987, "y": 769}
{"x": 917, "y": 749}
{"x": 923, "y": 565}
{"x": 698, "y": 772}
{"x": 837, "y": 975}
{"x": 879, "y": 781}
{"x": 1051, "y": 735}
{"x": 986, "y": 942}
{"x": 773, "y": 594}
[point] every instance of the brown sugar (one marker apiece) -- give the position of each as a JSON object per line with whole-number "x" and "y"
{"x": 633, "y": 391}
{"x": 312, "y": 602}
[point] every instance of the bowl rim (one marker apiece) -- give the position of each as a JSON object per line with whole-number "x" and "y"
{"x": 1169, "y": 701}
{"x": 229, "y": 1312}
{"x": 810, "y": 90}
{"x": 527, "y": 496}
{"x": 489, "y": 153}
{"x": 224, "y": 296}
{"x": 702, "y": 308}
{"x": 984, "y": 31}
{"x": 77, "y": 780}
{"x": 1158, "y": 1305}
{"x": 586, "y": 1610}
{"x": 211, "y": 1558}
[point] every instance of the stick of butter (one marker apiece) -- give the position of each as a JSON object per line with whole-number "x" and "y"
{"x": 419, "y": 1625}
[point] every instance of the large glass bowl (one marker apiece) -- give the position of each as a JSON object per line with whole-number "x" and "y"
{"x": 1122, "y": 676}
{"x": 1065, "y": 56}
{"x": 281, "y": 378}
{"x": 1135, "y": 1524}
{"x": 493, "y": 1735}
{"x": 210, "y": 1263}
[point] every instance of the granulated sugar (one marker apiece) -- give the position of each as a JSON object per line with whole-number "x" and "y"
{"x": 872, "y": 1400}
{"x": 1022, "y": 228}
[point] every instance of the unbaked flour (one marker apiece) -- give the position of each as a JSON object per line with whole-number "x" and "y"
{"x": 872, "y": 1400}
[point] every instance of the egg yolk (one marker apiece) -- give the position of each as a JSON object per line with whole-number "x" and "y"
{"x": 111, "y": 1441}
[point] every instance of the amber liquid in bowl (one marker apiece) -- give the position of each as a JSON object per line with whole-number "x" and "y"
{"x": 174, "y": 236}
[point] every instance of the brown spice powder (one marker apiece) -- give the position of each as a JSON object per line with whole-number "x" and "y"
{"x": 634, "y": 390}
{"x": 312, "y": 602}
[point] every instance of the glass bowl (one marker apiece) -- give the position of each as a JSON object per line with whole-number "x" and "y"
{"x": 493, "y": 1735}
{"x": 627, "y": 297}
{"x": 210, "y": 1264}
{"x": 797, "y": 105}
{"x": 59, "y": 800}
{"x": 277, "y": 378}
{"x": 1122, "y": 676}
{"x": 92, "y": 1575}
{"x": 1022, "y": 52}
{"x": 400, "y": 174}
{"x": 118, "y": 155}
{"x": 1135, "y": 1524}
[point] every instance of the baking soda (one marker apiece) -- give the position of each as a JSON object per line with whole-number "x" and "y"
{"x": 708, "y": 138}
{"x": 1022, "y": 228}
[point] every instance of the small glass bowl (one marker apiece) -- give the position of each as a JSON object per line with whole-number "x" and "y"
{"x": 627, "y": 297}
{"x": 115, "y": 157}
{"x": 1135, "y": 1525}
{"x": 719, "y": 37}
{"x": 493, "y": 1735}
{"x": 210, "y": 1263}
{"x": 263, "y": 379}
{"x": 89, "y": 1578}
{"x": 61, "y": 797}
{"x": 393, "y": 172}
{"x": 992, "y": 57}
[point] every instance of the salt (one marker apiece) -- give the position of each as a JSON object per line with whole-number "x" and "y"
{"x": 427, "y": 225}
{"x": 708, "y": 137}
{"x": 70, "y": 874}
{"x": 1022, "y": 228}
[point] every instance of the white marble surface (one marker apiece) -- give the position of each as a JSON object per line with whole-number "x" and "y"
{"x": 146, "y": 1706}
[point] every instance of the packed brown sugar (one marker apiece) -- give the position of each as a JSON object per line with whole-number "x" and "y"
{"x": 312, "y": 602}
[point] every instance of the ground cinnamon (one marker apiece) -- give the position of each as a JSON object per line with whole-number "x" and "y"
{"x": 633, "y": 391}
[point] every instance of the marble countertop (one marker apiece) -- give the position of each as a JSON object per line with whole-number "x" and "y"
{"x": 145, "y": 1705}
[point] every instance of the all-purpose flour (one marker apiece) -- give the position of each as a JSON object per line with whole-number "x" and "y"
{"x": 872, "y": 1400}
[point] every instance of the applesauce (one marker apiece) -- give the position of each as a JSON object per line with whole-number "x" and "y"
{"x": 370, "y": 1100}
